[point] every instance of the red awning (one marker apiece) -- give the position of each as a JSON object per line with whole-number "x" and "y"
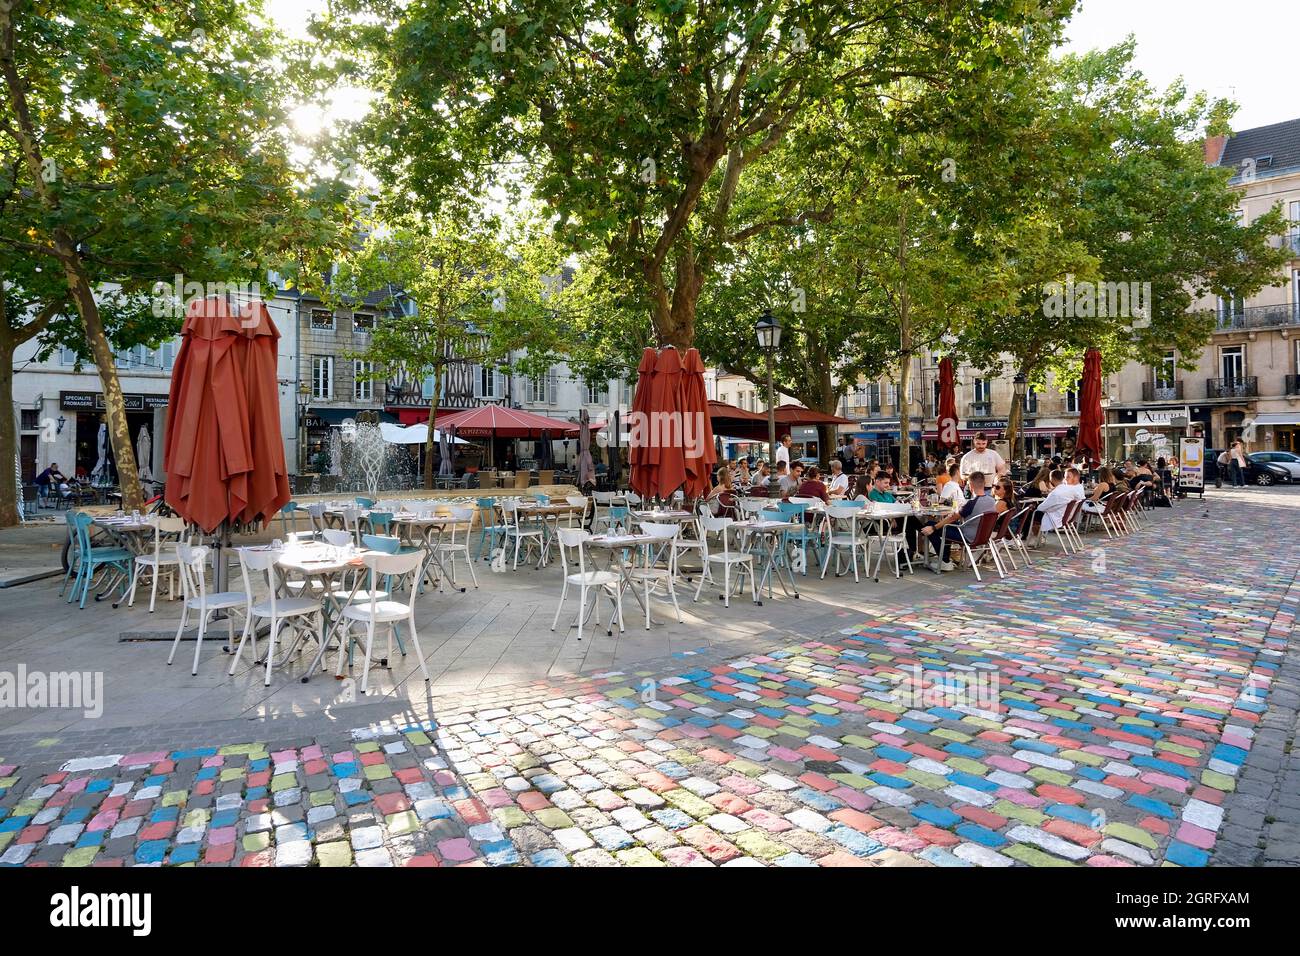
{"x": 502, "y": 422}
{"x": 798, "y": 415}
{"x": 417, "y": 416}
{"x": 722, "y": 410}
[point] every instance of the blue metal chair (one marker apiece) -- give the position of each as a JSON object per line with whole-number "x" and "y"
{"x": 542, "y": 499}
{"x": 489, "y": 530}
{"x": 802, "y": 536}
{"x": 74, "y": 551}
{"x": 363, "y": 502}
{"x": 620, "y": 517}
{"x": 378, "y": 522}
{"x": 93, "y": 558}
{"x": 290, "y": 508}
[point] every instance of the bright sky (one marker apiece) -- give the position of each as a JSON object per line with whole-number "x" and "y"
{"x": 1245, "y": 51}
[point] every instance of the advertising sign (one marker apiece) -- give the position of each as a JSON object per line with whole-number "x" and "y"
{"x": 1191, "y": 464}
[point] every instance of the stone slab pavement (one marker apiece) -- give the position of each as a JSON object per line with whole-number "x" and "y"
{"x": 1132, "y": 705}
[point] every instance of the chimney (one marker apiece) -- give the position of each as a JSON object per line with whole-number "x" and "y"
{"x": 1214, "y": 149}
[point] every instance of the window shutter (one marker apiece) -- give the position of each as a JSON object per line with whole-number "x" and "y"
{"x": 552, "y": 384}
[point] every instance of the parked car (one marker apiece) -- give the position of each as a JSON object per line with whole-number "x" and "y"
{"x": 1282, "y": 464}
{"x": 1259, "y": 470}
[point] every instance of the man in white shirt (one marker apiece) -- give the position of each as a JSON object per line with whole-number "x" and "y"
{"x": 839, "y": 483}
{"x": 1053, "y": 507}
{"x": 783, "y": 452}
{"x": 984, "y": 459}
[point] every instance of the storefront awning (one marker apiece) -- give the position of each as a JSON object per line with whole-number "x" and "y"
{"x": 1027, "y": 432}
{"x": 336, "y": 416}
{"x": 1278, "y": 418}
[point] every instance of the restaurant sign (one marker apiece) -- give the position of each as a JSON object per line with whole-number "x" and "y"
{"x": 1167, "y": 417}
{"x": 996, "y": 424}
{"x": 94, "y": 401}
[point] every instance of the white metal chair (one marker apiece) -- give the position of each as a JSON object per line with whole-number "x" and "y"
{"x": 892, "y": 542}
{"x": 843, "y": 534}
{"x": 316, "y": 515}
{"x": 337, "y": 537}
{"x": 603, "y": 583}
{"x": 162, "y": 558}
{"x": 650, "y": 575}
{"x": 388, "y": 613}
{"x": 518, "y": 529}
{"x": 742, "y": 561}
{"x": 601, "y": 500}
{"x": 578, "y": 518}
{"x": 691, "y": 539}
{"x": 274, "y": 609}
{"x": 451, "y": 549}
{"x": 193, "y": 566}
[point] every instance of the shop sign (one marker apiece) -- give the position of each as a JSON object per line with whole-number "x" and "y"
{"x": 94, "y": 401}
{"x": 1165, "y": 417}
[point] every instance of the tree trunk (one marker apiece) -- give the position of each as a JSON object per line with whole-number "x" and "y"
{"x": 1014, "y": 420}
{"x": 119, "y": 431}
{"x": 428, "y": 439}
{"x": 8, "y": 433}
{"x": 905, "y": 349}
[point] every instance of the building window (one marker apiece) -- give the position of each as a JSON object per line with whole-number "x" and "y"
{"x": 322, "y": 376}
{"x": 1232, "y": 359}
{"x": 31, "y": 420}
{"x": 983, "y": 391}
{"x": 67, "y": 356}
{"x": 893, "y": 395}
{"x": 872, "y": 403}
{"x": 1164, "y": 374}
{"x": 597, "y": 393}
{"x": 541, "y": 389}
{"x": 1031, "y": 401}
{"x": 363, "y": 388}
{"x": 724, "y": 398}
{"x": 627, "y": 394}
{"x": 491, "y": 383}
{"x": 934, "y": 398}
{"x": 363, "y": 322}
{"x": 1072, "y": 399}
{"x": 322, "y": 320}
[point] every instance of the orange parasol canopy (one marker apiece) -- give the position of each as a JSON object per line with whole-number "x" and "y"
{"x": 697, "y": 427}
{"x": 223, "y": 452}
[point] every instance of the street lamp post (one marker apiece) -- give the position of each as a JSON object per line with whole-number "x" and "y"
{"x": 1018, "y": 396}
{"x": 768, "y": 330}
{"x": 304, "y": 400}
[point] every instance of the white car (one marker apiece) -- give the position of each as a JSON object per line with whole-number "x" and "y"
{"x": 1280, "y": 461}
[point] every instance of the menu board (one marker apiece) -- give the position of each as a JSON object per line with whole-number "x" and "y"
{"x": 1191, "y": 463}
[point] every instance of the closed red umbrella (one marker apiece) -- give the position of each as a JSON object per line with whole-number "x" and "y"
{"x": 666, "y": 452}
{"x": 947, "y": 415}
{"x": 697, "y": 426}
{"x": 223, "y": 452}
{"x": 642, "y": 478}
{"x": 1088, "y": 444}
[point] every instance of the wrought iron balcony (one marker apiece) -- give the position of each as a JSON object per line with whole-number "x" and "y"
{"x": 1293, "y": 385}
{"x": 1162, "y": 391}
{"x": 1260, "y": 317}
{"x": 981, "y": 408}
{"x": 1245, "y": 387}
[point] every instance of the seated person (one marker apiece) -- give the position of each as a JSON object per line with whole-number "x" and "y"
{"x": 789, "y": 484}
{"x": 1047, "y": 516}
{"x": 813, "y": 486}
{"x": 951, "y": 527}
{"x": 722, "y": 496}
{"x": 1039, "y": 486}
{"x": 950, "y": 492}
{"x": 839, "y": 483}
{"x": 761, "y": 476}
{"x": 1106, "y": 483}
{"x": 880, "y": 490}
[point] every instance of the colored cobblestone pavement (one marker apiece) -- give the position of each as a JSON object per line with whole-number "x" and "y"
{"x": 1124, "y": 706}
